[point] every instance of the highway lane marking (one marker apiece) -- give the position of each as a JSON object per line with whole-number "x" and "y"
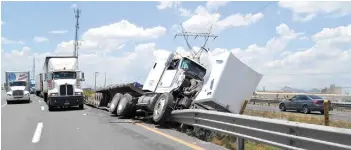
{"x": 42, "y": 107}
{"x": 37, "y": 133}
{"x": 3, "y": 105}
{"x": 193, "y": 146}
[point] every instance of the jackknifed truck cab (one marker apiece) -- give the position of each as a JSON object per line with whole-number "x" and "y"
{"x": 62, "y": 82}
{"x": 17, "y": 86}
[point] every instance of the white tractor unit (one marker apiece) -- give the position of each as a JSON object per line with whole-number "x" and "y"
{"x": 60, "y": 82}
{"x": 17, "y": 86}
{"x": 177, "y": 82}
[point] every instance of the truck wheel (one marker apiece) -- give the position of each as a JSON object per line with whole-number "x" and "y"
{"x": 50, "y": 108}
{"x": 163, "y": 108}
{"x": 125, "y": 106}
{"x": 81, "y": 106}
{"x": 45, "y": 97}
{"x": 114, "y": 103}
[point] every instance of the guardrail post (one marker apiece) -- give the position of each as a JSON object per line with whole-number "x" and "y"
{"x": 243, "y": 107}
{"x": 240, "y": 143}
{"x": 326, "y": 112}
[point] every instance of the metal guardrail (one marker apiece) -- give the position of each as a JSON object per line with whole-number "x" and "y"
{"x": 275, "y": 101}
{"x": 279, "y": 133}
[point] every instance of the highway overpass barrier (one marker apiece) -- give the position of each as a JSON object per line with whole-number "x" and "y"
{"x": 279, "y": 133}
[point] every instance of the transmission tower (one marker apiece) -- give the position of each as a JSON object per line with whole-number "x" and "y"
{"x": 76, "y": 42}
{"x": 206, "y": 35}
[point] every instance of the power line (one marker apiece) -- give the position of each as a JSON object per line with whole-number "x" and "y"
{"x": 262, "y": 8}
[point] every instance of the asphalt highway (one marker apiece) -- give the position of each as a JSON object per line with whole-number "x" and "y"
{"x": 31, "y": 126}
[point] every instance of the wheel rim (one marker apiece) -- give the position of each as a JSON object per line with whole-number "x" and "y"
{"x": 121, "y": 104}
{"x": 159, "y": 107}
{"x": 281, "y": 107}
{"x": 305, "y": 109}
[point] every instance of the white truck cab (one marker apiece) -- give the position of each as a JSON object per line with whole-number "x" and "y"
{"x": 18, "y": 85}
{"x": 62, "y": 82}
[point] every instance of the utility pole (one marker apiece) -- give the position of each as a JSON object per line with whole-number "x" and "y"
{"x": 105, "y": 80}
{"x": 33, "y": 71}
{"x": 95, "y": 74}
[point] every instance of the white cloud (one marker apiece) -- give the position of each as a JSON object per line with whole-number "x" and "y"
{"x": 130, "y": 66}
{"x": 326, "y": 62}
{"x": 202, "y": 20}
{"x": 58, "y": 31}
{"x": 39, "y": 39}
{"x": 167, "y": 4}
{"x": 215, "y": 4}
{"x": 7, "y": 41}
{"x": 74, "y": 6}
{"x": 305, "y": 11}
{"x": 113, "y": 37}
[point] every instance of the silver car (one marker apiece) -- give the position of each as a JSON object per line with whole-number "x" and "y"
{"x": 304, "y": 103}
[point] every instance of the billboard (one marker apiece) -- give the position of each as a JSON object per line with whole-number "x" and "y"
{"x": 18, "y": 76}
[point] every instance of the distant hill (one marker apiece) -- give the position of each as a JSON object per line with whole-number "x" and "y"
{"x": 294, "y": 90}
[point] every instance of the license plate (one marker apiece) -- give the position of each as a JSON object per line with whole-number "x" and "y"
{"x": 66, "y": 103}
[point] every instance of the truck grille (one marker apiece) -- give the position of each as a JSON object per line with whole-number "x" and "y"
{"x": 66, "y": 90}
{"x": 18, "y": 93}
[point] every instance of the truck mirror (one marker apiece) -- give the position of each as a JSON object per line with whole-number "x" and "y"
{"x": 169, "y": 59}
{"x": 82, "y": 78}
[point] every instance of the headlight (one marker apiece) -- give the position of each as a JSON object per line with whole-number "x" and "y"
{"x": 78, "y": 93}
{"x": 27, "y": 94}
{"x": 53, "y": 94}
{"x": 9, "y": 94}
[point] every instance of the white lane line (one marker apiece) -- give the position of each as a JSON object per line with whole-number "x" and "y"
{"x": 42, "y": 107}
{"x": 37, "y": 133}
{"x": 3, "y": 105}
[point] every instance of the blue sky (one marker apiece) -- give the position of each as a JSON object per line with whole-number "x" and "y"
{"x": 25, "y": 20}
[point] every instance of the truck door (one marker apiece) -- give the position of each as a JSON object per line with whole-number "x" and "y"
{"x": 170, "y": 74}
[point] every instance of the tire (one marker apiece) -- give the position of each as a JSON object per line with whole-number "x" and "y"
{"x": 81, "y": 106}
{"x": 50, "y": 108}
{"x": 305, "y": 109}
{"x": 322, "y": 112}
{"x": 114, "y": 103}
{"x": 125, "y": 106}
{"x": 45, "y": 97}
{"x": 282, "y": 107}
{"x": 163, "y": 108}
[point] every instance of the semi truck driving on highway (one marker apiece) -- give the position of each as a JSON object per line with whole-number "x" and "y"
{"x": 179, "y": 82}
{"x": 60, "y": 82}
{"x": 17, "y": 86}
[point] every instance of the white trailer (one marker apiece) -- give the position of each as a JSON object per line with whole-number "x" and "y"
{"x": 39, "y": 84}
{"x": 62, "y": 82}
{"x": 17, "y": 86}
{"x": 178, "y": 82}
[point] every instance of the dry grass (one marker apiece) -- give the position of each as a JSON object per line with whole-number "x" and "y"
{"x": 88, "y": 93}
{"x": 229, "y": 141}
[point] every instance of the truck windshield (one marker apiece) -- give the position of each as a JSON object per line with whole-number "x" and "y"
{"x": 193, "y": 67}
{"x": 18, "y": 83}
{"x": 64, "y": 75}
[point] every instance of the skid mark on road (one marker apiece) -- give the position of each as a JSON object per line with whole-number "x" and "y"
{"x": 37, "y": 133}
{"x": 193, "y": 146}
